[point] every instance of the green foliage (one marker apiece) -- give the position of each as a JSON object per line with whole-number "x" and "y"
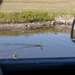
{"x": 25, "y": 16}
{"x": 29, "y": 16}
{"x": 34, "y": 15}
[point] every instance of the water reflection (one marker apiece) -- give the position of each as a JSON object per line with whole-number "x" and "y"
{"x": 20, "y": 46}
{"x": 27, "y": 33}
{"x": 34, "y": 31}
{"x": 39, "y": 43}
{"x": 14, "y": 56}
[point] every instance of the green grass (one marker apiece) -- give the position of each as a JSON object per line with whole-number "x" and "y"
{"x": 29, "y": 16}
{"x": 25, "y": 16}
{"x": 17, "y": 11}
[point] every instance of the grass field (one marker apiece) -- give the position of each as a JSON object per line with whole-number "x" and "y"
{"x": 34, "y": 10}
{"x": 52, "y": 6}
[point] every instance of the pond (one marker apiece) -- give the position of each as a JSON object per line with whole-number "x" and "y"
{"x": 39, "y": 43}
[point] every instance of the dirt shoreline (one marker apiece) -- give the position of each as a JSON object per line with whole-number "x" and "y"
{"x": 11, "y": 30}
{"x": 34, "y": 25}
{"x": 58, "y": 22}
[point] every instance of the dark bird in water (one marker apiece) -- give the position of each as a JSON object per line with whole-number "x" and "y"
{"x": 38, "y": 45}
{"x": 1, "y": 2}
{"x": 55, "y": 33}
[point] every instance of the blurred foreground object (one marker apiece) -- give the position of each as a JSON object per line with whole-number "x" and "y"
{"x": 73, "y": 31}
{"x": 1, "y": 2}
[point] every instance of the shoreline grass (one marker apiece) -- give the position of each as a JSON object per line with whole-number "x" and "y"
{"x": 20, "y": 11}
{"x": 30, "y": 16}
{"x": 25, "y": 16}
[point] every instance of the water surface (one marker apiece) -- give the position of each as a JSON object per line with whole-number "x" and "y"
{"x": 46, "y": 43}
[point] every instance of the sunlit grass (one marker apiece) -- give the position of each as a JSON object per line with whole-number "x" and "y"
{"x": 25, "y": 16}
{"x": 30, "y": 16}
{"x": 44, "y": 5}
{"x": 15, "y": 11}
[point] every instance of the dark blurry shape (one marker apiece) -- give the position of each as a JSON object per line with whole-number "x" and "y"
{"x": 41, "y": 46}
{"x": 1, "y": 2}
{"x": 20, "y": 46}
{"x": 73, "y": 31}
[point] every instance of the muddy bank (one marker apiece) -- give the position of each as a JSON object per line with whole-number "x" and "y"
{"x": 28, "y": 32}
{"x": 58, "y": 22}
{"x": 33, "y": 25}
